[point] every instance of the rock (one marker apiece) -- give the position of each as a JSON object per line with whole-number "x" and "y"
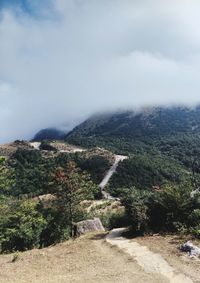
{"x": 193, "y": 251}
{"x": 194, "y": 193}
{"x": 90, "y": 225}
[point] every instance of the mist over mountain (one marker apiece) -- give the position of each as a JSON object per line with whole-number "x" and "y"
{"x": 86, "y": 56}
{"x": 148, "y": 122}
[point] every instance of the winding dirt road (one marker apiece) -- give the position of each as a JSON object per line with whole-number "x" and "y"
{"x": 104, "y": 182}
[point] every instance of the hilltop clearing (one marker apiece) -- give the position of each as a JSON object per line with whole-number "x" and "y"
{"x": 90, "y": 259}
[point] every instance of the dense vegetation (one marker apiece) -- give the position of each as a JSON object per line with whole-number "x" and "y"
{"x": 145, "y": 172}
{"x": 172, "y": 209}
{"x": 28, "y": 222}
{"x": 148, "y": 122}
{"x": 163, "y": 145}
{"x": 32, "y": 170}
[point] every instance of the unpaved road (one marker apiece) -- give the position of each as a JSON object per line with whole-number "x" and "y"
{"x": 104, "y": 182}
{"x": 150, "y": 262}
{"x": 71, "y": 149}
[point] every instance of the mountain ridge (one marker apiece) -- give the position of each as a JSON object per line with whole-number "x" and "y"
{"x": 154, "y": 121}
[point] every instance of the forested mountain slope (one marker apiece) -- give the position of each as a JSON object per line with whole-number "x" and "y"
{"x": 162, "y": 143}
{"x": 148, "y": 122}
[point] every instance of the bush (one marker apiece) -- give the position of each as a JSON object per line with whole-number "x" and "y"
{"x": 111, "y": 220}
{"x": 136, "y": 205}
{"x": 170, "y": 209}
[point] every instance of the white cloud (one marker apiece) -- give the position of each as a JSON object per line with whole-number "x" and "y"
{"x": 96, "y": 55}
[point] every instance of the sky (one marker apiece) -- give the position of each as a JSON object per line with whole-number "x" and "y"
{"x": 64, "y": 60}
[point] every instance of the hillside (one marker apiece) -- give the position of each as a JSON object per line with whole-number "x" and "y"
{"x": 49, "y": 134}
{"x": 163, "y": 144}
{"x": 148, "y": 122}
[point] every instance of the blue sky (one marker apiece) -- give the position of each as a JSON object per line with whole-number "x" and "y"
{"x": 63, "y": 60}
{"x": 33, "y": 8}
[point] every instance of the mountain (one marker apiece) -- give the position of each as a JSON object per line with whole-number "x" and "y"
{"x": 49, "y": 134}
{"x": 162, "y": 144}
{"x": 149, "y": 122}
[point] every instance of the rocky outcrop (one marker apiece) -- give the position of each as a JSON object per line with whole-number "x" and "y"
{"x": 90, "y": 225}
{"x": 193, "y": 250}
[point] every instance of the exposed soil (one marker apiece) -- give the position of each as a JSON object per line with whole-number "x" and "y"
{"x": 88, "y": 259}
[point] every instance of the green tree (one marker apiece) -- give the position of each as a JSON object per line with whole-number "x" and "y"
{"x": 72, "y": 187}
{"x": 172, "y": 207}
{"x": 6, "y": 177}
{"x": 136, "y": 204}
{"x": 21, "y": 225}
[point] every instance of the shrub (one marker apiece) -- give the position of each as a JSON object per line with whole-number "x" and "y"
{"x": 172, "y": 209}
{"x": 111, "y": 220}
{"x": 136, "y": 205}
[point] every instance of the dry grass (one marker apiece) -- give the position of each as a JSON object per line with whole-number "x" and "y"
{"x": 87, "y": 259}
{"x": 168, "y": 247}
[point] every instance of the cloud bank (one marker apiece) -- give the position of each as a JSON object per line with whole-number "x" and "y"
{"x": 67, "y": 59}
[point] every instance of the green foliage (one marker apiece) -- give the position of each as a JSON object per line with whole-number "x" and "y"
{"x": 144, "y": 171}
{"x": 136, "y": 203}
{"x": 6, "y": 177}
{"x": 24, "y": 223}
{"x": 111, "y": 220}
{"x": 45, "y": 145}
{"x": 21, "y": 225}
{"x": 57, "y": 228}
{"x": 166, "y": 139}
{"x": 94, "y": 165}
{"x": 164, "y": 151}
{"x": 172, "y": 209}
{"x": 194, "y": 217}
{"x": 31, "y": 172}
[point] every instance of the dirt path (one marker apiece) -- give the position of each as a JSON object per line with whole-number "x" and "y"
{"x": 88, "y": 259}
{"x": 152, "y": 263}
{"x": 168, "y": 247}
{"x": 104, "y": 182}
